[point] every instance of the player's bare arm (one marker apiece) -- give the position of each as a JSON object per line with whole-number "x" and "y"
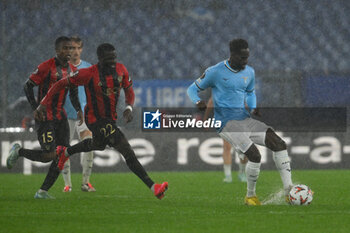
{"x": 129, "y": 101}
{"x": 209, "y": 110}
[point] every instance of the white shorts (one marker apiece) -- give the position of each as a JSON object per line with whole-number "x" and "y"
{"x": 75, "y": 127}
{"x": 242, "y": 134}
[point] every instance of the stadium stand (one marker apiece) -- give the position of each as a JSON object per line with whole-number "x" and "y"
{"x": 179, "y": 39}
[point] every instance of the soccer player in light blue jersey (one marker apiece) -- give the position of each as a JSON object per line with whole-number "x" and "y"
{"x": 75, "y": 126}
{"x": 232, "y": 82}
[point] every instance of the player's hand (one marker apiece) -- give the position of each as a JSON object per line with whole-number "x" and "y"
{"x": 256, "y": 112}
{"x": 39, "y": 113}
{"x": 201, "y": 105}
{"x": 80, "y": 116}
{"x": 127, "y": 115}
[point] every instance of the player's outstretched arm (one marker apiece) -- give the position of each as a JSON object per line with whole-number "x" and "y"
{"x": 80, "y": 77}
{"x": 57, "y": 87}
{"x": 39, "y": 112}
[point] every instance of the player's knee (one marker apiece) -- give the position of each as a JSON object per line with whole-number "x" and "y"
{"x": 274, "y": 142}
{"x": 226, "y": 146}
{"x": 277, "y": 145}
{"x": 281, "y": 145}
{"x": 94, "y": 145}
{"x": 85, "y": 134}
{"x": 253, "y": 154}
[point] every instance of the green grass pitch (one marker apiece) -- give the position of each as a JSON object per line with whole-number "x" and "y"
{"x": 195, "y": 202}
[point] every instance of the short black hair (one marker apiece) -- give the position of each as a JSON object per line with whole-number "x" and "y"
{"x": 105, "y": 47}
{"x": 60, "y": 40}
{"x": 236, "y": 45}
{"x": 77, "y": 40}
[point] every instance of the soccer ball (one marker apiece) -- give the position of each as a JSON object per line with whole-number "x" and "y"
{"x": 300, "y": 194}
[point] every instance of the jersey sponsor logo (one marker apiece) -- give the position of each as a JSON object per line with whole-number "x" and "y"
{"x": 73, "y": 74}
{"x": 120, "y": 79}
{"x": 111, "y": 91}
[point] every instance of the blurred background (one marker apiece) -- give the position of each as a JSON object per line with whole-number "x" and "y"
{"x": 299, "y": 49}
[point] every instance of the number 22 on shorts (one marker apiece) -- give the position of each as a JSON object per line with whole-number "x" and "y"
{"x": 108, "y": 130}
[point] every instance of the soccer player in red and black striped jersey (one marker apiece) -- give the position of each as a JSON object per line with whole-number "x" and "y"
{"x": 103, "y": 83}
{"x": 53, "y": 130}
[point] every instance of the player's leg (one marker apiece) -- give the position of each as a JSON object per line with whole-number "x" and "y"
{"x": 264, "y": 135}
{"x": 66, "y": 172}
{"x": 61, "y": 129}
{"x": 243, "y": 160}
{"x": 252, "y": 171}
{"x": 97, "y": 142}
{"x": 49, "y": 180}
{"x": 234, "y": 133}
{"x": 87, "y": 160}
{"x": 46, "y": 136}
{"x": 226, "y": 155}
{"x": 280, "y": 157}
{"x": 121, "y": 144}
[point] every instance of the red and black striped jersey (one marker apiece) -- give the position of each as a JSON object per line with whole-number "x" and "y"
{"x": 44, "y": 77}
{"x": 103, "y": 90}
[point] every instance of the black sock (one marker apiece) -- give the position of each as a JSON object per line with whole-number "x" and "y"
{"x": 51, "y": 176}
{"x": 33, "y": 155}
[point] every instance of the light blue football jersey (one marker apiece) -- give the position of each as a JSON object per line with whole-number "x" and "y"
{"x": 230, "y": 89}
{"x": 71, "y": 113}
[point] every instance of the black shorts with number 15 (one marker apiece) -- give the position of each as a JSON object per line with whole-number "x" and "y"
{"x": 52, "y": 133}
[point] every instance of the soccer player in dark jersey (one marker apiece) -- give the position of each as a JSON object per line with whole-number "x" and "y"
{"x": 103, "y": 82}
{"x": 52, "y": 128}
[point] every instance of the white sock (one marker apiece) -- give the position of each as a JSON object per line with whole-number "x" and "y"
{"x": 252, "y": 171}
{"x": 66, "y": 174}
{"x": 282, "y": 163}
{"x": 87, "y": 162}
{"x": 241, "y": 167}
{"x": 152, "y": 188}
{"x": 227, "y": 170}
